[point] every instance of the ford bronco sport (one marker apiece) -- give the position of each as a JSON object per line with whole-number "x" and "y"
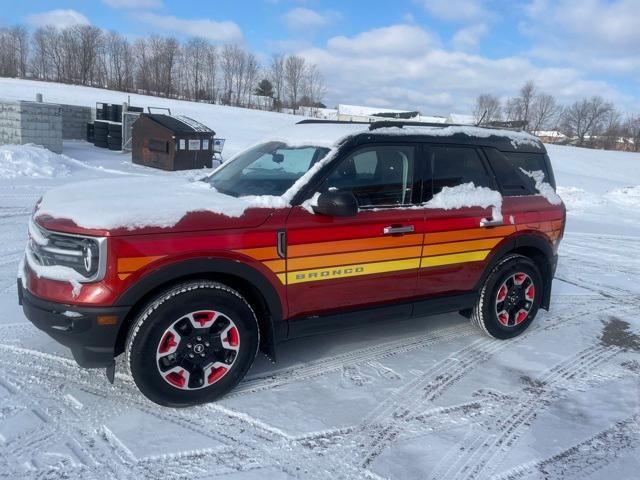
{"x": 326, "y": 225}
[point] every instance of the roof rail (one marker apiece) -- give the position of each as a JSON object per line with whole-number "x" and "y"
{"x": 322, "y": 120}
{"x": 396, "y": 123}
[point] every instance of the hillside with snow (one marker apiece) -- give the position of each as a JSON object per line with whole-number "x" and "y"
{"x": 425, "y": 398}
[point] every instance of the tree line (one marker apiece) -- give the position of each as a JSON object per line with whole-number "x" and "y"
{"x": 592, "y": 122}
{"x": 159, "y": 65}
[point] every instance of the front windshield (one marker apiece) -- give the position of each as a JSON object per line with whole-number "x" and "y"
{"x": 266, "y": 169}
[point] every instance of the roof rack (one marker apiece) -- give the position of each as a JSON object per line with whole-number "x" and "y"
{"x": 399, "y": 123}
{"x": 322, "y": 120}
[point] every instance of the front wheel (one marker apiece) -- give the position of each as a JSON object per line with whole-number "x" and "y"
{"x": 192, "y": 344}
{"x": 509, "y": 299}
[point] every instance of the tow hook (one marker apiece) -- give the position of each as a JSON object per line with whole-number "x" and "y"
{"x": 111, "y": 372}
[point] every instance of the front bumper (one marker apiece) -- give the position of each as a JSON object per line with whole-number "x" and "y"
{"x": 92, "y": 344}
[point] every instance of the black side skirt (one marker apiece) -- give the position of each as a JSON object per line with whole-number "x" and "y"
{"x": 317, "y": 324}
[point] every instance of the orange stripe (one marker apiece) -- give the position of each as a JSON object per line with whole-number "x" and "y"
{"x": 122, "y": 276}
{"x": 354, "y": 257}
{"x": 444, "y": 248}
{"x": 354, "y": 245}
{"x": 276, "y": 266}
{"x": 131, "y": 264}
{"x": 468, "y": 234}
{"x": 260, "y": 253}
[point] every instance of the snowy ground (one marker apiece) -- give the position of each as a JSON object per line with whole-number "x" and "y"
{"x": 426, "y": 398}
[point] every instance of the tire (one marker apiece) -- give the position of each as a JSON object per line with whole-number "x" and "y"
{"x": 193, "y": 319}
{"x": 503, "y": 294}
{"x": 99, "y": 143}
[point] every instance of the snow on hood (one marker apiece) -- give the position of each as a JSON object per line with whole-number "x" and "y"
{"x": 136, "y": 202}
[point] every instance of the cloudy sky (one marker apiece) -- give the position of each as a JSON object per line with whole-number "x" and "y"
{"x": 432, "y": 55}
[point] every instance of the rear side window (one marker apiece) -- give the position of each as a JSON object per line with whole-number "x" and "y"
{"x": 532, "y": 162}
{"x": 453, "y": 166}
{"x": 511, "y": 179}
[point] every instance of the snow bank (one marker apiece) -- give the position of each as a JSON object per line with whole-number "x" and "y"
{"x": 135, "y": 202}
{"x": 625, "y": 197}
{"x": 467, "y": 195}
{"x": 32, "y": 161}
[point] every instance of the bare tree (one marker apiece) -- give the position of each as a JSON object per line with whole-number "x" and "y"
{"x": 632, "y": 132}
{"x": 585, "y": 117}
{"x": 276, "y": 74}
{"x": 611, "y": 129}
{"x": 487, "y": 109}
{"x": 313, "y": 86}
{"x": 294, "y": 72}
{"x": 544, "y": 111}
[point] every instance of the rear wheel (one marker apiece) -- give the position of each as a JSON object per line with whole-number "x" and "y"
{"x": 192, "y": 344}
{"x": 510, "y": 298}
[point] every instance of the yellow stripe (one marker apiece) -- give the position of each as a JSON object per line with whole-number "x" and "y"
{"x": 351, "y": 270}
{"x": 342, "y": 259}
{"x": 458, "y": 247}
{"x": 454, "y": 258}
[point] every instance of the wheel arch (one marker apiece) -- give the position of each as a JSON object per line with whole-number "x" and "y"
{"x": 535, "y": 246}
{"x": 251, "y": 284}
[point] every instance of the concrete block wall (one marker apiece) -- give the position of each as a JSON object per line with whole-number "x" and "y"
{"x": 31, "y": 122}
{"x": 41, "y": 123}
{"x": 74, "y": 122}
{"x": 10, "y": 122}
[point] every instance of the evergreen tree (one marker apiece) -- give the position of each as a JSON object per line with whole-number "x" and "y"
{"x": 265, "y": 88}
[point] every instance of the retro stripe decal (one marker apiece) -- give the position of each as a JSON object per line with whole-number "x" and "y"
{"x": 351, "y": 270}
{"x": 128, "y": 265}
{"x": 330, "y": 260}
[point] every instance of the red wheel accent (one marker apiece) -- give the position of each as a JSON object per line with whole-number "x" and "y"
{"x": 502, "y": 293}
{"x": 530, "y": 293}
{"x": 520, "y": 316}
{"x": 176, "y": 378}
{"x": 503, "y": 318}
{"x": 233, "y": 337}
{"x": 167, "y": 343}
{"x": 204, "y": 317}
{"x": 216, "y": 374}
{"x": 519, "y": 278}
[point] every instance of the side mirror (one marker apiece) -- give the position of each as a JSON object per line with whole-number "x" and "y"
{"x": 336, "y": 204}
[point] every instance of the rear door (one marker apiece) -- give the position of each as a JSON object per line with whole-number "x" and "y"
{"x": 371, "y": 258}
{"x": 456, "y": 245}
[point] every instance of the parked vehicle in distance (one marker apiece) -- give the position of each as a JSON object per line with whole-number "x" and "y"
{"x": 325, "y": 226}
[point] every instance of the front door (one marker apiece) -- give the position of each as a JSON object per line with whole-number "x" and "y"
{"x": 365, "y": 260}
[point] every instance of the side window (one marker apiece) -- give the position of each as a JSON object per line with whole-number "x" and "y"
{"x": 377, "y": 176}
{"x": 453, "y": 166}
{"x": 531, "y": 162}
{"x": 512, "y": 181}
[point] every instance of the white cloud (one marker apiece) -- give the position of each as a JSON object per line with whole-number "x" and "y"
{"x": 133, "y": 4}
{"x": 399, "y": 40}
{"x": 405, "y": 66}
{"x": 596, "y": 35}
{"x": 457, "y": 10}
{"x": 301, "y": 19}
{"x": 216, "y": 31}
{"x": 58, "y": 18}
{"x": 468, "y": 38}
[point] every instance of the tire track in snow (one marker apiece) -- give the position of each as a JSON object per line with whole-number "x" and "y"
{"x": 485, "y": 447}
{"x": 585, "y": 458}
{"x": 360, "y": 356}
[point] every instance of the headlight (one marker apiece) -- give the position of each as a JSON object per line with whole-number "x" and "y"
{"x": 86, "y": 255}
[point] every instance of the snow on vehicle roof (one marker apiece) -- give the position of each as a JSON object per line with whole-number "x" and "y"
{"x": 330, "y": 135}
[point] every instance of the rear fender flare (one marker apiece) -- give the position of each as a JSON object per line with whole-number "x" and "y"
{"x": 521, "y": 243}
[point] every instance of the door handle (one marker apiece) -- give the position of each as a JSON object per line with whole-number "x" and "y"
{"x": 489, "y": 222}
{"x": 398, "y": 230}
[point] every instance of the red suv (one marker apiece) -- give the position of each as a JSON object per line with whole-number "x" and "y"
{"x": 323, "y": 226}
